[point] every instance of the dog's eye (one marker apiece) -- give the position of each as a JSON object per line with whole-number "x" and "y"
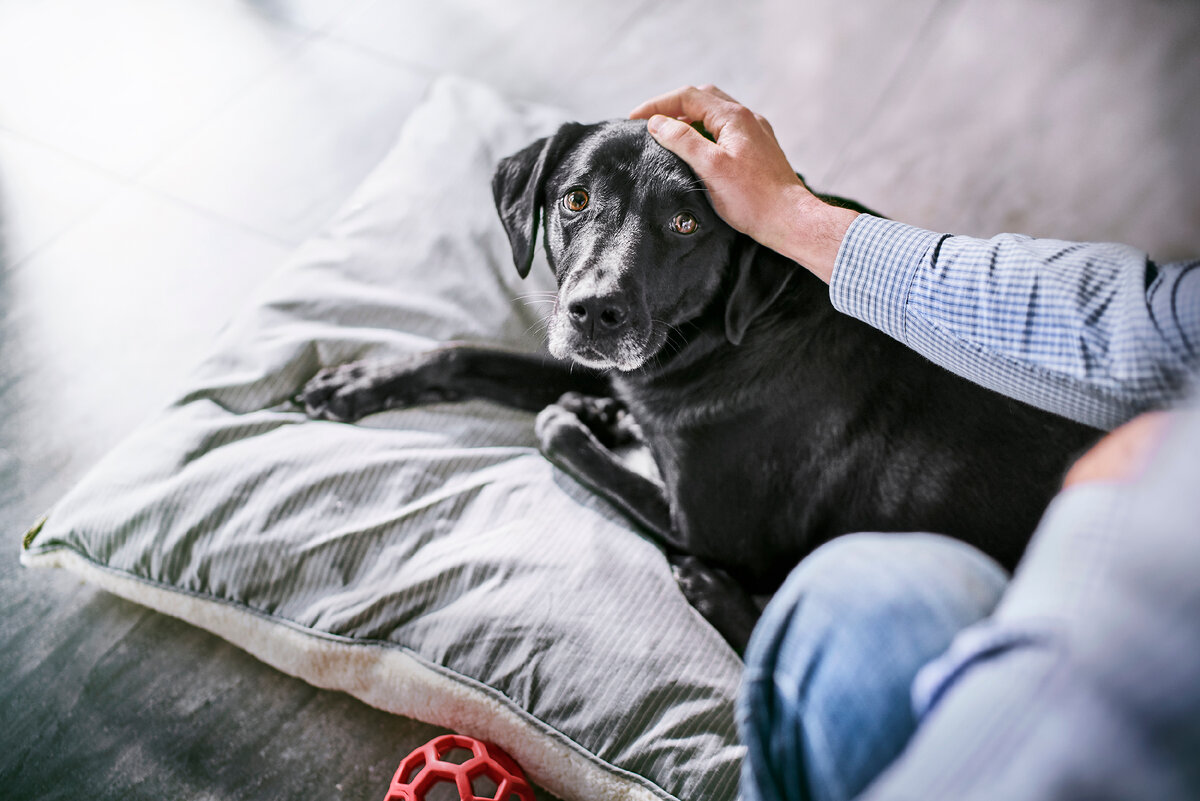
{"x": 684, "y": 223}
{"x": 575, "y": 200}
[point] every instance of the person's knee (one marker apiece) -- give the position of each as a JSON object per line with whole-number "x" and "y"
{"x": 862, "y": 590}
{"x": 830, "y": 664}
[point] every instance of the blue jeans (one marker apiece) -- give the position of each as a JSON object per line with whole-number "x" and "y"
{"x": 826, "y": 700}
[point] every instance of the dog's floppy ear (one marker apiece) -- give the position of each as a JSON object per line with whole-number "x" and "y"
{"x": 517, "y": 188}
{"x": 760, "y": 275}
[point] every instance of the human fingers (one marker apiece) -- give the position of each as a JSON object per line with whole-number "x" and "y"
{"x": 668, "y": 103}
{"x": 691, "y": 103}
{"x": 765, "y": 124}
{"x": 711, "y": 89}
{"x": 659, "y": 104}
{"x": 683, "y": 140}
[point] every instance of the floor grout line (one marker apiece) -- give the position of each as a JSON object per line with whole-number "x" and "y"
{"x": 116, "y": 181}
{"x": 122, "y": 183}
{"x": 389, "y": 59}
{"x": 286, "y": 59}
{"x": 137, "y": 180}
{"x": 309, "y": 37}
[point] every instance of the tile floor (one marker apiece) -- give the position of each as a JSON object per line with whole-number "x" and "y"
{"x": 158, "y": 159}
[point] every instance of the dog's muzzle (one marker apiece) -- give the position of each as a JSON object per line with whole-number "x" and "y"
{"x": 602, "y": 332}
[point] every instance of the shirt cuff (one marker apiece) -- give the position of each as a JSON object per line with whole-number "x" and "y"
{"x": 875, "y": 266}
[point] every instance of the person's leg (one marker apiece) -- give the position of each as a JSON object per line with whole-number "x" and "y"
{"x": 825, "y": 703}
{"x": 1083, "y": 682}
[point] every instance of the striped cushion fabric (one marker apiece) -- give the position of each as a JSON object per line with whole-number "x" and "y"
{"x": 428, "y": 561}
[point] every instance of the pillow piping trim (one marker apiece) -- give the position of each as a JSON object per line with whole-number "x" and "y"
{"x": 393, "y": 678}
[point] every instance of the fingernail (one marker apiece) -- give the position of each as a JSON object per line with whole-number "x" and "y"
{"x": 655, "y": 123}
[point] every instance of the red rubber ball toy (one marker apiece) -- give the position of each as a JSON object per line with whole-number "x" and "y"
{"x": 476, "y": 770}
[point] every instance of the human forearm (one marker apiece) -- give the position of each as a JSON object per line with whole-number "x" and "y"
{"x": 1091, "y": 331}
{"x": 809, "y": 232}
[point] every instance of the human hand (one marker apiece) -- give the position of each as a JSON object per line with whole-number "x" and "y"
{"x": 1123, "y": 453}
{"x": 748, "y": 178}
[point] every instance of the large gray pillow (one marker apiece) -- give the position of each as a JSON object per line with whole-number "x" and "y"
{"x": 428, "y": 561}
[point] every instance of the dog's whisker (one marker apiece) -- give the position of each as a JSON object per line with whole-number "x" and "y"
{"x": 674, "y": 335}
{"x": 537, "y": 301}
{"x": 539, "y": 327}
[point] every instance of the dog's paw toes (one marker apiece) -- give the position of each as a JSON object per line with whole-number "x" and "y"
{"x": 607, "y": 418}
{"x": 556, "y": 423}
{"x": 338, "y": 408}
{"x": 593, "y": 410}
{"x": 337, "y": 394}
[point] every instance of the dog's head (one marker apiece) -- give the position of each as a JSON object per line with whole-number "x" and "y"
{"x": 634, "y": 243}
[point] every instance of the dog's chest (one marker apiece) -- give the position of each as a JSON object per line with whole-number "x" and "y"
{"x": 731, "y": 481}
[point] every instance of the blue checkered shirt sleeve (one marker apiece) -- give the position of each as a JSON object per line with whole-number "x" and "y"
{"x": 1095, "y": 332}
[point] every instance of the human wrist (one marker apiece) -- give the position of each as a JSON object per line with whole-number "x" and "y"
{"x": 810, "y": 231}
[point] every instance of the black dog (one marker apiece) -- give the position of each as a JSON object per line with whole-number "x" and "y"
{"x": 776, "y": 423}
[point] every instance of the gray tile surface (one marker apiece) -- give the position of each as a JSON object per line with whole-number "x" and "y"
{"x": 102, "y": 342}
{"x": 158, "y": 159}
{"x": 1072, "y": 119}
{"x": 42, "y": 193}
{"x": 282, "y": 156}
{"x": 120, "y": 83}
{"x": 817, "y": 70}
{"x": 534, "y": 49}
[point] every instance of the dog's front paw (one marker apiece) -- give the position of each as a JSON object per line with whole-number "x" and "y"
{"x": 558, "y": 428}
{"x": 341, "y": 394}
{"x": 349, "y": 392}
{"x": 607, "y": 418}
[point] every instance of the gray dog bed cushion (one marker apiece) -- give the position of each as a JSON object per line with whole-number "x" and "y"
{"x": 428, "y": 561}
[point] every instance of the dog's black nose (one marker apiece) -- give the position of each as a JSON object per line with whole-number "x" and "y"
{"x": 597, "y": 315}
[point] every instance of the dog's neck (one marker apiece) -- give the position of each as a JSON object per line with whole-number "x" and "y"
{"x": 802, "y": 308}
